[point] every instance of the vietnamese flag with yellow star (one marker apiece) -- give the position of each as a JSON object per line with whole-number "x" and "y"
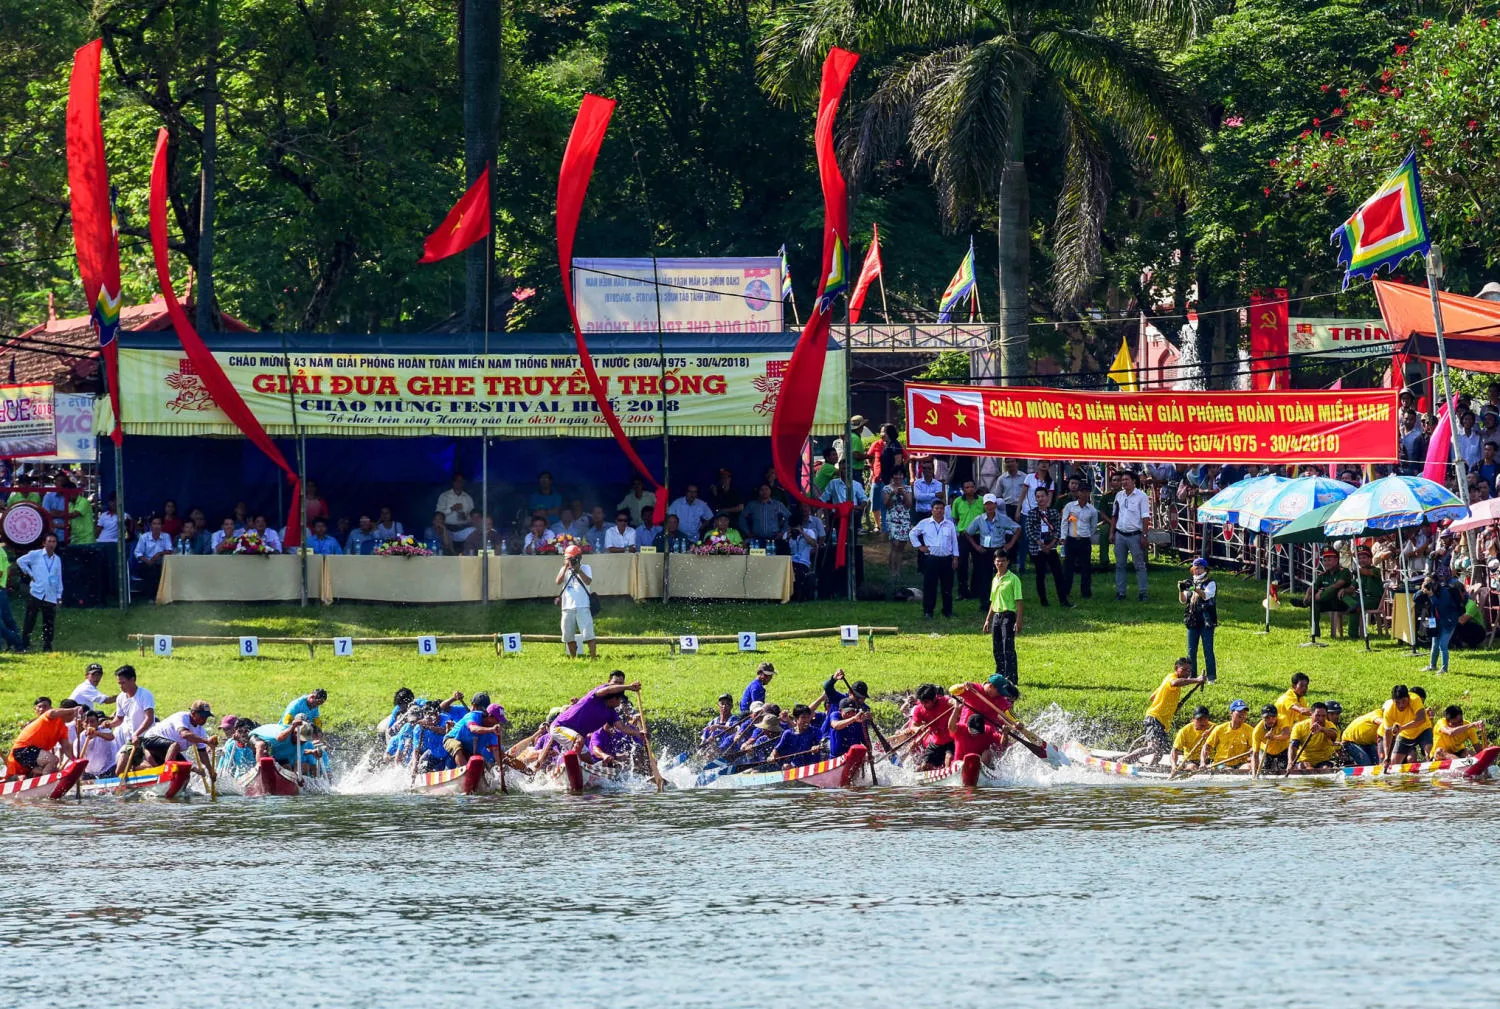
{"x": 466, "y": 223}
{"x": 945, "y": 417}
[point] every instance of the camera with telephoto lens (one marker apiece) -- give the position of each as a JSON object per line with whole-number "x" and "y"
{"x": 1184, "y": 585}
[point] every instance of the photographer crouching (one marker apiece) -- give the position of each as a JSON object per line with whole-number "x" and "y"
{"x": 1199, "y": 596}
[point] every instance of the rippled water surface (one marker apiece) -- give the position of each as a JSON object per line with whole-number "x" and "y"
{"x": 1080, "y": 894}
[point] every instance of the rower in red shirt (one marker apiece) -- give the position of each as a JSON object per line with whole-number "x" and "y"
{"x": 973, "y": 735}
{"x": 999, "y": 691}
{"x": 932, "y": 712}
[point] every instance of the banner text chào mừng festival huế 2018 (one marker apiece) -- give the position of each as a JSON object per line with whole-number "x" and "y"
{"x": 1312, "y": 426}
{"x": 27, "y": 425}
{"x": 527, "y": 395}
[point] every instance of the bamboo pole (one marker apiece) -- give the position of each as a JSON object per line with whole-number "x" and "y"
{"x": 707, "y": 639}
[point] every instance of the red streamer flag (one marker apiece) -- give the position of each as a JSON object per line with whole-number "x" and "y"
{"x": 572, "y": 185}
{"x": 1292, "y": 426}
{"x": 867, "y": 274}
{"x": 466, "y": 223}
{"x": 792, "y": 422}
{"x": 95, "y": 235}
{"x": 224, "y": 394}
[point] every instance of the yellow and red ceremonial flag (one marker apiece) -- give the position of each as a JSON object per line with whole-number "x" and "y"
{"x": 1387, "y": 227}
{"x": 1291, "y": 426}
{"x": 466, "y": 223}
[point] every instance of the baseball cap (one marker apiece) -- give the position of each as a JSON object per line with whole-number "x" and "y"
{"x": 573, "y": 551}
{"x": 93, "y": 667}
{"x": 227, "y": 722}
{"x": 1201, "y": 711}
{"x": 497, "y": 712}
{"x": 1238, "y": 705}
{"x": 1269, "y": 709}
{"x": 1335, "y": 708}
{"x": 990, "y": 499}
{"x": 1199, "y": 562}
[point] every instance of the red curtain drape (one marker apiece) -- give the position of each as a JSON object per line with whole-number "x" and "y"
{"x": 798, "y": 401}
{"x": 572, "y": 186}
{"x": 224, "y": 394}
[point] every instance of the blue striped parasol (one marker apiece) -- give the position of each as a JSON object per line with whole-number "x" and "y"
{"x": 1224, "y": 507}
{"x": 1290, "y": 501}
{"x": 1394, "y": 502}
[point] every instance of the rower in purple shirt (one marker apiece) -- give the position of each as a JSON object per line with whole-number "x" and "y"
{"x": 586, "y": 716}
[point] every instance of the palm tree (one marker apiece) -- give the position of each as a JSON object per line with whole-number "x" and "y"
{"x": 953, "y": 82}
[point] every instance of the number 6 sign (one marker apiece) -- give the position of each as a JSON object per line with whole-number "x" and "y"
{"x": 427, "y": 645}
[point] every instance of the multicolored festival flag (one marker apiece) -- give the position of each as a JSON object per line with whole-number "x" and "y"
{"x": 95, "y": 229}
{"x": 786, "y": 276}
{"x": 466, "y": 223}
{"x": 959, "y": 288}
{"x": 867, "y": 275}
{"x": 1387, "y": 227}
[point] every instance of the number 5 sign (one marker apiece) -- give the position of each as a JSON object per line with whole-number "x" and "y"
{"x": 510, "y": 643}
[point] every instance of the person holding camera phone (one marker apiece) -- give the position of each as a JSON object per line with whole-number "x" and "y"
{"x": 1200, "y": 599}
{"x": 576, "y": 601}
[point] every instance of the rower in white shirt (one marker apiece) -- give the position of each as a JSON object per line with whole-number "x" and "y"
{"x": 936, "y": 540}
{"x": 88, "y": 693}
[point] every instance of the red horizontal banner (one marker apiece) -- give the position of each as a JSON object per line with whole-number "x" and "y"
{"x": 1356, "y": 425}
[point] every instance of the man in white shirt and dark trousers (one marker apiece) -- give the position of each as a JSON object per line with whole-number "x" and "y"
{"x": 43, "y": 570}
{"x": 150, "y": 550}
{"x": 1079, "y": 521}
{"x": 1131, "y": 519}
{"x": 577, "y": 612}
{"x": 936, "y": 541}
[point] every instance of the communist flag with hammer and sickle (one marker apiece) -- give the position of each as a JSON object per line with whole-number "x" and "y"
{"x": 466, "y": 223}
{"x": 947, "y": 418}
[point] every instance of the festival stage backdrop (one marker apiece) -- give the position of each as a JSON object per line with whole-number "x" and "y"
{"x": 1355, "y": 426}
{"x": 527, "y": 387}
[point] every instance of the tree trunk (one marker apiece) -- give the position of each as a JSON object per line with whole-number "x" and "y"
{"x": 1015, "y": 255}
{"x": 481, "y": 88}
{"x": 206, "y": 317}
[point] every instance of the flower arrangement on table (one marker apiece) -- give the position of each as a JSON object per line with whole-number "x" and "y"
{"x": 248, "y": 542}
{"x": 562, "y": 542}
{"x": 402, "y": 546}
{"x": 717, "y": 544}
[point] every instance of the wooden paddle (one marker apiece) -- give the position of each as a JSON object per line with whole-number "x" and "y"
{"x": 1013, "y": 728}
{"x": 646, "y": 733}
{"x": 200, "y": 765}
{"x": 1221, "y": 763}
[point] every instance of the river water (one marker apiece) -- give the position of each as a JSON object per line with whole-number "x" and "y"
{"x": 1073, "y": 891}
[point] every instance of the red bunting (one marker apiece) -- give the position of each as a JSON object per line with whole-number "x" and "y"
{"x": 867, "y": 274}
{"x": 94, "y": 234}
{"x": 466, "y": 223}
{"x": 572, "y": 186}
{"x": 796, "y": 405}
{"x": 224, "y": 394}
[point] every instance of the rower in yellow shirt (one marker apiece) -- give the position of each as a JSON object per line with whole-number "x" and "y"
{"x": 1453, "y": 737}
{"x": 1362, "y": 739}
{"x": 1406, "y": 726}
{"x": 1269, "y": 742}
{"x": 1228, "y": 743}
{"x": 1189, "y": 739}
{"x": 1292, "y": 704}
{"x": 1315, "y": 741}
{"x": 1162, "y": 709}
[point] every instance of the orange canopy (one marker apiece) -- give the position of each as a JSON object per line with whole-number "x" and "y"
{"x": 1471, "y": 326}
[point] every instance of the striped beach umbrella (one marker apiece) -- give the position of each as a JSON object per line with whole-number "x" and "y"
{"x": 1224, "y": 507}
{"x": 1394, "y": 502}
{"x": 1291, "y": 500}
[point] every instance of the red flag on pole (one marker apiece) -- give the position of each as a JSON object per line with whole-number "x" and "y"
{"x": 797, "y": 402}
{"x": 94, "y": 233}
{"x": 867, "y": 274}
{"x": 220, "y": 388}
{"x": 466, "y": 223}
{"x": 572, "y": 185}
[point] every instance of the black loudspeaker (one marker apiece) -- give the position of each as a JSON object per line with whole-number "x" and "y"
{"x": 85, "y": 574}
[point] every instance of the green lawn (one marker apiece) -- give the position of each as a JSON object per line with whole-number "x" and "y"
{"x": 1098, "y": 662}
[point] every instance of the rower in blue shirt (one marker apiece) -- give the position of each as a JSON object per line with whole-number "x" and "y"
{"x": 847, "y": 728}
{"x": 477, "y": 733}
{"x": 309, "y": 707}
{"x": 755, "y": 690}
{"x": 798, "y": 745}
{"x": 835, "y": 700}
{"x": 721, "y": 722}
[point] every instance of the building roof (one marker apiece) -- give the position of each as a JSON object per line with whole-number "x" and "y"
{"x": 65, "y": 352}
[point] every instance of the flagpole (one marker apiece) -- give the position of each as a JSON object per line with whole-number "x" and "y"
{"x": 883, "y": 309}
{"x": 666, "y": 450}
{"x": 484, "y": 432}
{"x": 1434, "y": 277}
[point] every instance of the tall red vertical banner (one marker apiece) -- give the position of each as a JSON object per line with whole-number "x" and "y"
{"x": 95, "y": 236}
{"x": 1270, "y": 339}
{"x": 224, "y": 394}
{"x": 572, "y": 185}
{"x": 796, "y": 405}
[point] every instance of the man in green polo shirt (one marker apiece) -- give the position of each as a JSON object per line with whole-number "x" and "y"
{"x": 965, "y": 509}
{"x": 1003, "y": 621}
{"x": 80, "y": 521}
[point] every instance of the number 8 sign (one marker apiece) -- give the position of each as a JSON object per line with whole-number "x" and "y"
{"x": 249, "y": 648}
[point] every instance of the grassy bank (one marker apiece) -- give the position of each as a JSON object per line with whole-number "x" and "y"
{"x": 1098, "y": 661}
